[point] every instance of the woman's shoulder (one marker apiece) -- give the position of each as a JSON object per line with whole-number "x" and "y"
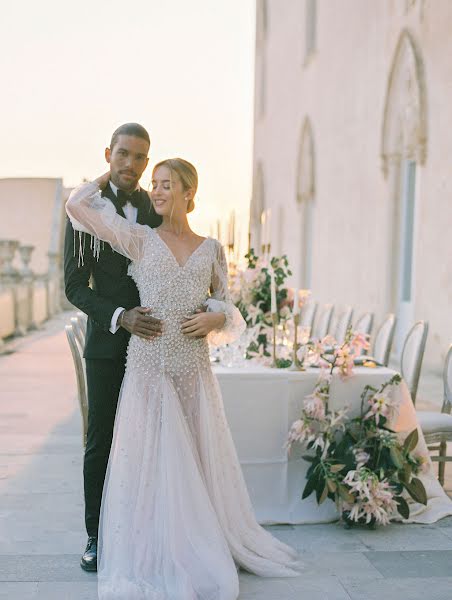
{"x": 215, "y": 243}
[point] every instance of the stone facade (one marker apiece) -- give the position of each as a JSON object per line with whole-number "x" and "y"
{"x": 31, "y": 252}
{"x": 352, "y": 153}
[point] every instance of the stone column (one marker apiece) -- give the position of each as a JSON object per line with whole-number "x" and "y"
{"x": 28, "y": 279}
{"x": 53, "y": 284}
{"x": 8, "y": 273}
{"x": 7, "y": 251}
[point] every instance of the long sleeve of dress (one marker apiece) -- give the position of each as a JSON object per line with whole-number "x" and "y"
{"x": 91, "y": 213}
{"x": 220, "y": 301}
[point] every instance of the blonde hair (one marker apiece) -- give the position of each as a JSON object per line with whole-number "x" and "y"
{"x": 187, "y": 174}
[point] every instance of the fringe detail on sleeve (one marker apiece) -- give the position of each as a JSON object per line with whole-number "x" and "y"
{"x": 95, "y": 246}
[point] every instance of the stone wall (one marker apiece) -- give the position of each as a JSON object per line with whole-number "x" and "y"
{"x": 31, "y": 276}
{"x": 26, "y": 299}
{"x": 349, "y": 96}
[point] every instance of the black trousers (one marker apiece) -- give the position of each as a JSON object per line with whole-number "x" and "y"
{"x": 104, "y": 378}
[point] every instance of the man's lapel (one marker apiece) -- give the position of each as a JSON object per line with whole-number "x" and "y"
{"x": 109, "y": 193}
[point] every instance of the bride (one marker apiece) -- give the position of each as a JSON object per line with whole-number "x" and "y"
{"x": 176, "y": 519}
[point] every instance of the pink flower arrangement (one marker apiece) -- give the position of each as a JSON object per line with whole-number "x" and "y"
{"x": 373, "y": 498}
{"x": 360, "y": 463}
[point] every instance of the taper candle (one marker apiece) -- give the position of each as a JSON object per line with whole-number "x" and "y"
{"x": 273, "y": 292}
{"x": 296, "y": 301}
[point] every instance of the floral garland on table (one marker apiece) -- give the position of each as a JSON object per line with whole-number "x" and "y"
{"x": 251, "y": 293}
{"x": 359, "y": 463}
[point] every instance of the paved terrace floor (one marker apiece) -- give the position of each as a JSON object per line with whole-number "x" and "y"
{"x": 41, "y": 505}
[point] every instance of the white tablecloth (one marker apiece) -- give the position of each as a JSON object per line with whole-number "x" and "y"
{"x": 261, "y": 403}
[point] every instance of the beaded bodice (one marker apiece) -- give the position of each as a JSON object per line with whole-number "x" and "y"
{"x": 173, "y": 292}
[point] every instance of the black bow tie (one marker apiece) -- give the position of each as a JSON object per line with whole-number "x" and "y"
{"x": 133, "y": 198}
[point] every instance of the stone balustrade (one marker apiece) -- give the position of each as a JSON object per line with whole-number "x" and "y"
{"x": 26, "y": 299}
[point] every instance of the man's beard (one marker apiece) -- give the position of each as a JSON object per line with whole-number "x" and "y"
{"x": 126, "y": 186}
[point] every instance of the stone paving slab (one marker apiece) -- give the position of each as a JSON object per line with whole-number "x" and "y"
{"x": 404, "y": 537}
{"x": 428, "y": 563}
{"x": 299, "y": 588}
{"x": 41, "y": 507}
{"x": 48, "y": 591}
{"x": 401, "y": 588}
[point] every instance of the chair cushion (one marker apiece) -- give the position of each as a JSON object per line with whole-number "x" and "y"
{"x": 434, "y": 422}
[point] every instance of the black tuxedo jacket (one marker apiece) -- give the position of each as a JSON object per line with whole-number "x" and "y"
{"x": 100, "y": 286}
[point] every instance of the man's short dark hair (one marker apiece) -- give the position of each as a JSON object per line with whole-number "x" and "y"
{"x": 134, "y": 129}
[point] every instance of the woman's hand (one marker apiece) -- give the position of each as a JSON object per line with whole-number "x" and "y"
{"x": 202, "y": 323}
{"x": 103, "y": 180}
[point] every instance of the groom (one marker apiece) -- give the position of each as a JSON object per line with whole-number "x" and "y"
{"x": 112, "y": 304}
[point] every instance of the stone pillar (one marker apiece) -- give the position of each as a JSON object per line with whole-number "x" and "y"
{"x": 53, "y": 284}
{"x": 28, "y": 279}
{"x": 7, "y": 251}
{"x": 8, "y": 276}
{"x": 25, "y": 255}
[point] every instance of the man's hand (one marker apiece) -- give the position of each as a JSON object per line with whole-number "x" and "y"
{"x": 202, "y": 323}
{"x": 138, "y": 321}
{"x": 103, "y": 180}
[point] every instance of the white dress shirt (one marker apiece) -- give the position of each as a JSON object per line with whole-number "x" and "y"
{"x": 131, "y": 213}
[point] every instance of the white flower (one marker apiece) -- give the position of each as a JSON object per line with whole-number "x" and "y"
{"x": 285, "y": 313}
{"x": 382, "y": 404}
{"x": 254, "y": 312}
{"x": 284, "y": 352}
{"x": 374, "y": 499}
{"x": 314, "y": 406}
{"x": 361, "y": 457}
{"x": 250, "y": 276}
{"x": 300, "y": 431}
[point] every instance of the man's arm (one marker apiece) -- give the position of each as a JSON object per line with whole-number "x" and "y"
{"x": 76, "y": 281}
{"x": 101, "y": 310}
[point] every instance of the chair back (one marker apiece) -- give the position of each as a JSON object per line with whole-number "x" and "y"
{"x": 382, "y": 344}
{"x": 323, "y": 322}
{"x": 364, "y": 324}
{"x": 447, "y": 379}
{"x": 82, "y": 319}
{"x": 412, "y": 356}
{"x": 308, "y": 311}
{"x": 343, "y": 324}
{"x": 79, "y": 332}
{"x": 80, "y": 377}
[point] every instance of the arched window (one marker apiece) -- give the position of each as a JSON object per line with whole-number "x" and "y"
{"x": 261, "y": 36}
{"x": 305, "y": 187}
{"x": 310, "y": 28}
{"x": 403, "y": 151}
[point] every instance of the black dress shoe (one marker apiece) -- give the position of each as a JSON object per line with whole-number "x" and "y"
{"x": 89, "y": 559}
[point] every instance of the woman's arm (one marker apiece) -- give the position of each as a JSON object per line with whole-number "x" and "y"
{"x": 91, "y": 213}
{"x": 220, "y": 302}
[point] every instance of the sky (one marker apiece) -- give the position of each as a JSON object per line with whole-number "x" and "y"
{"x": 73, "y": 71}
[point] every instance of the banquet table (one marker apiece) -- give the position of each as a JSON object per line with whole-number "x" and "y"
{"x": 261, "y": 403}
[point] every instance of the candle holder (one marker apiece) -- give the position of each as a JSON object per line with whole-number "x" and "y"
{"x": 275, "y": 323}
{"x": 297, "y": 365}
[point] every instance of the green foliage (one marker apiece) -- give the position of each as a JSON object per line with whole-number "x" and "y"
{"x": 261, "y": 297}
{"x": 388, "y": 459}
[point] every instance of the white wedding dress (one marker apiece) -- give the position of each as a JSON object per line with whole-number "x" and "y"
{"x": 176, "y": 519}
